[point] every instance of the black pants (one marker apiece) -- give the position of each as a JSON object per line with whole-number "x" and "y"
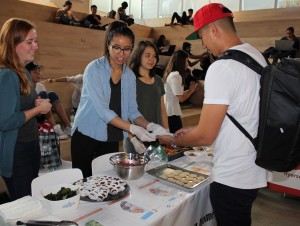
{"x": 84, "y": 149}
{"x": 26, "y": 167}
{"x": 175, "y": 123}
{"x": 179, "y": 19}
{"x": 232, "y": 206}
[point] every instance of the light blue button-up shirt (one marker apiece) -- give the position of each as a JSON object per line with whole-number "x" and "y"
{"x": 93, "y": 113}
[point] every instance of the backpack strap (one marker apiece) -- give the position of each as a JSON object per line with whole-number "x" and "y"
{"x": 243, "y": 130}
{"x": 248, "y": 61}
{"x": 243, "y": 58}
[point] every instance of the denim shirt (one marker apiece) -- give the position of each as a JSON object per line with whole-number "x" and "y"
{"x": 11, "y": 118}
{"x": 93, "y": 113}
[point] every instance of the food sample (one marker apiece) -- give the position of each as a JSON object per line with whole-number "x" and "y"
{"x": 186, "y": 179}
{"x": 63, "y": 193}
{"x": 98, "y": 188}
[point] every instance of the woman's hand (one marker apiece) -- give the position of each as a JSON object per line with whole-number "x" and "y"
{"x": 193, "y": 87}
{"x": 50, "y": 80}
{"x": 43, "y": 105}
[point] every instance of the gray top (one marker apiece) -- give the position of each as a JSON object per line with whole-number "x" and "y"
{"x": 29, "y": 130}
{"x": 149, "y": 98}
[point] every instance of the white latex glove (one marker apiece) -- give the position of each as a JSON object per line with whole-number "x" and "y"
{"x": 141, "y": 133}
{"x": 157, "y": 130}
{"x": 152, "y": 127}
{"x": 138, "y": 145}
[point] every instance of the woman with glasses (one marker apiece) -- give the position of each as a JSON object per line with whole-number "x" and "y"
{"x": 108, "y": 105}
{"x": 19, "y": 136}
{"x": 150, "y": 91}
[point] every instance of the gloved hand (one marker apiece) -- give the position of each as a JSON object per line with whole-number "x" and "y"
{"x": 152, "y": 126}
{"x": 138, "y": 145}
{"x": 157, "y": 130}
{"x": 141, "y": 133}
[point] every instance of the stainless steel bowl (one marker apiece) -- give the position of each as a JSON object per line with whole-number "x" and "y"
{"x": 129, "y": 166}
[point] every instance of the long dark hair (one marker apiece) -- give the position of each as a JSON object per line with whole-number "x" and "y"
{"x": 136, "y": 59}
{"x": 114, "y": 29}
{"x": 13, "y": 32}
{"x": 177, "y": 62}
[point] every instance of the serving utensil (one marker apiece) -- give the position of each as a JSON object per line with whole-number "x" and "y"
{"x": 48, "y": 223}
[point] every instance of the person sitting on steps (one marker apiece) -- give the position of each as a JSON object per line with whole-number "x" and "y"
{"x": 36, "y": 76}
{"x": 279, "y": 54}
{"x": 93, "y": 20}
{"x": 66, "y": 16}
{"x": 182, "y": 20}
{"x": 122, "y": 14}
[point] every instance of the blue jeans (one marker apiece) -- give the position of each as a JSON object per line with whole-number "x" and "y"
{"x": 26, "y": 167}
{"x": 232, "y": 206}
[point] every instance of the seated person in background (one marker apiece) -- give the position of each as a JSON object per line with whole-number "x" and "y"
{"x": 36, "y": 76}
{"x": 183, "y": 20}
{"x": 66, "y": 16}
{"x": 112, "y": 14}
{"x": 160, "y": 43}
{"x": 276, "y": 54}
{"x": 77, "y": 80}
{"x": 93, "y": 20}
{"x": 122, "y": 14}
{"x": 187, "y": 47}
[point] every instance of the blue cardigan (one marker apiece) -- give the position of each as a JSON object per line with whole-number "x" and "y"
{"x": 10, "y": 118}
{"x": 93, "y": 113}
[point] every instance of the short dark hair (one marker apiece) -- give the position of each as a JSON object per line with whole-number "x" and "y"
{"x": 136, "y": 58}
{"x": 124, "y": 4}
{"x": 190, "y": 10}
{"x": 68, "y": 3}
{"x": 114, "y": 29}
{"x": 186, "y": 45}
{"x": 93, "y": 6}
{"x": 291, "y": 29}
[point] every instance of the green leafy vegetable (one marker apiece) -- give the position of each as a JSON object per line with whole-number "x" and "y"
{"x": 62, "y": 194}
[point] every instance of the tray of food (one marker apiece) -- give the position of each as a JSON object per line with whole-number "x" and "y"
{"x": 102, "y": 188}
{"x": 174, "y": 153}
{"x": 179, "y": 177}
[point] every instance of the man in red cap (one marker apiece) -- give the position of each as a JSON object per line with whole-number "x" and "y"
{"x": 233, "y": 88}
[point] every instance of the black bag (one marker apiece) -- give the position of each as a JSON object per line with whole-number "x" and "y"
{"x": 50, "y": 147}
{"x": 278, "y": 140}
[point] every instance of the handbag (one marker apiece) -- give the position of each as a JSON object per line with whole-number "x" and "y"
{"x": 49, "y": 146}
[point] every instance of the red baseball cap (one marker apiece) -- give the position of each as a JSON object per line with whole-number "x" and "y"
{"x": 207, "y": 14}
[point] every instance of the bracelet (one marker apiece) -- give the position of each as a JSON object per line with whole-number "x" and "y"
{"x": 172, "y": 142}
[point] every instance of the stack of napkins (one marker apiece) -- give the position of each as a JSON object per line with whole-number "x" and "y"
{"x": 19, "y": 208}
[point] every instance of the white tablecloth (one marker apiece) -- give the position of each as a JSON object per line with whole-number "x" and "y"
{"x": 158, "y": 204}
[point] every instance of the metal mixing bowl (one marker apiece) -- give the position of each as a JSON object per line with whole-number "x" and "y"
{"x": 129, "y": 166}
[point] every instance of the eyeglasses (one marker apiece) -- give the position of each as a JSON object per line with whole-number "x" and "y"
{"x": 117, "y": 49}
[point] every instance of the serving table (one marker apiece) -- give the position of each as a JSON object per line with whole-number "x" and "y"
{"x": 150, "y": 202}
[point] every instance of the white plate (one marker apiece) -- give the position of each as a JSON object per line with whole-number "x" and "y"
{"x": 194, "y": 155}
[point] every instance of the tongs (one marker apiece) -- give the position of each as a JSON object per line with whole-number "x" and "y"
{"x": 48, "y": 223}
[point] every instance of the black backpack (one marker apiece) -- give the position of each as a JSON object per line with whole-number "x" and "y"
{"x": 278, "y": 139}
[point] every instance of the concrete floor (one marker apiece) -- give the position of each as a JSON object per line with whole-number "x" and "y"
{"x": 272, "y": 208}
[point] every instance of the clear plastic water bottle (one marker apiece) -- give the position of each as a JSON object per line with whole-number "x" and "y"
{"x": 72, "y": 116}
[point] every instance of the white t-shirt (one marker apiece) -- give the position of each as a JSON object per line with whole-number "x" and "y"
{"x": 39, "y": 87}
{"x": 173, "y": 87}
{"x": 231, "y": 83}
